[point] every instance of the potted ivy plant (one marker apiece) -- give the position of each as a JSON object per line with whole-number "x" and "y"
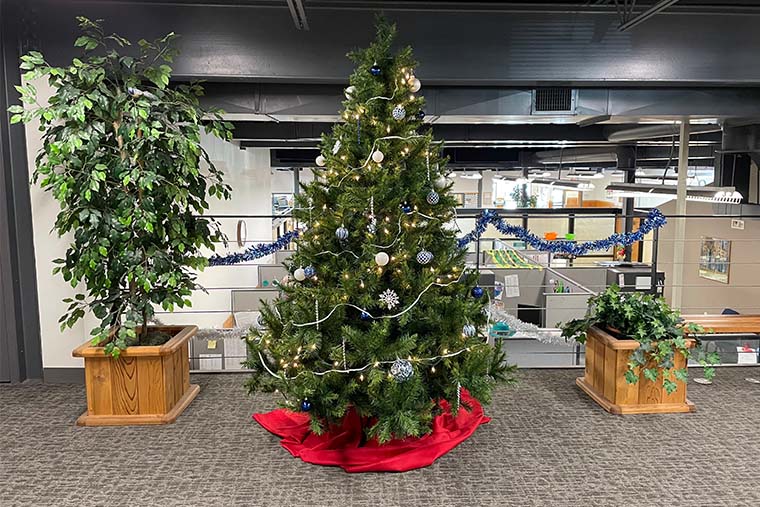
{"x": 122, "y": 155}
{"x": 637, "y": 352}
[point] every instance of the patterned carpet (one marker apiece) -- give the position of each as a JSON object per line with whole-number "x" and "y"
{"x": 547, "y": 445}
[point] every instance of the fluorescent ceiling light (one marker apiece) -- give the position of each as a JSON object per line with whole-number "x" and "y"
{"x": 721, "y": 195}
{"x": 579, "y": 186}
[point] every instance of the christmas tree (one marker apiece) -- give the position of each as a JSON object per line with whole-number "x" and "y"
{"x": 380, "y": 314}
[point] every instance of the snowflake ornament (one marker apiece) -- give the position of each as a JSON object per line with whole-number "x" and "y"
{"x": 389, "y": 298}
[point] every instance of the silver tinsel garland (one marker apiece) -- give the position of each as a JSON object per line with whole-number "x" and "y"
{"x": 525, "y": 328}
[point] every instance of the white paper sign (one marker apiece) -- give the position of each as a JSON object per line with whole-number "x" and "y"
{"x": 511, "y": 286}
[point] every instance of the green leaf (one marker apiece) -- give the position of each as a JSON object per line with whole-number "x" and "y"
{"x": 669, "y": 386}
{"x": 631, "y": 377}
{"x": 650, "y": 374}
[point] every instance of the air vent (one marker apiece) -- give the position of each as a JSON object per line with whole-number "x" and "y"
{"x": 554, "y": 100}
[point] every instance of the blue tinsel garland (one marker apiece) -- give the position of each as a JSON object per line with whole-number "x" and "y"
{"x": 254, "y": 252}
{"x": 654, "y": 220}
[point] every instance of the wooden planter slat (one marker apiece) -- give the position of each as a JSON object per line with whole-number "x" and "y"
{"x": 604, "y": 379}
{"x": 145, "y": 385}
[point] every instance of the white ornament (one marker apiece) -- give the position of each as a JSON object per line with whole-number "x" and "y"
{"x": 321, "y": 161}
{"x": 389, "y": 298}
{"x": 424, "y": 257}
{"x": 336, "y": 147}
{"x": 341, "y": 233}
{"x": 416, "y": 85}
{"x": 441, "y": 181}
{"x": 381, "y": 258}
{"x": 378, "y": 156}
{"x": 433, "y": 197}
{"x": 399, "y": 113}
{"x": 349, "y": 92}
{"x": 299, "y": 274}
{"x": 401, "y": 370}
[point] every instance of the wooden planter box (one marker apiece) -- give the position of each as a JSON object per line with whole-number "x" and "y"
{"x": 145, "y": 385}
{"x": 604, "y": 380}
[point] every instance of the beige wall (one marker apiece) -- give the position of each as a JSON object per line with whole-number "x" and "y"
{"x": 701, "y": 295}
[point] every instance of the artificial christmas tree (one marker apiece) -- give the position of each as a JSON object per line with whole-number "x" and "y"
{"x": 380, "y": 318}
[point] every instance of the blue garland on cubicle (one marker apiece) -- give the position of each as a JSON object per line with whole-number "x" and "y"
{"x": 254, "y": 252}
{"x": 654, "y": 220}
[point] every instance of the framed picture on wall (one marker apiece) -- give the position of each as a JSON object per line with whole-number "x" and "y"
{"x": 715, "y": 259}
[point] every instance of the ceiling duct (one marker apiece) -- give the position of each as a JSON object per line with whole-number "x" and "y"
{"x": 655, "y": 131}
{"x": 577, "y": 156}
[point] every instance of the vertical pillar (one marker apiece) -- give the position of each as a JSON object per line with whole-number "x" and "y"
{"x": 18, "y": 289}
{"x": 296, "y": 180}
{"x": 680, "y": 222}
{"x": 480, "y": 190}
{"x": 626, "y": 161}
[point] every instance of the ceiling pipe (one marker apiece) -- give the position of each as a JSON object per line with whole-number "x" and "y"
{"x": 659, "y": 6}
{"x": 655, "y": 131}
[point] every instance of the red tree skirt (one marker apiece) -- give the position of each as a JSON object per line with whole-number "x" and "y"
{"x": 342, "y": 445}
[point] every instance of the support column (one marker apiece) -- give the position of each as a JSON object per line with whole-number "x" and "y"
{"x": 19, "y": 324}
{"x": 680, "y": 222}
{"x": 626, "y": 161}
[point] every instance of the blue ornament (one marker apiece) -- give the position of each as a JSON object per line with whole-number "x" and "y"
{"x": 309, "y": 271}
{"x": 477, "y": 291}
{"x": 341, "y": 233}
{"x": 406, "y": 207}
{"x": 365, "y": 316}
{"x": 424, "y": 257}
{"x": 305, "y": 405}
{"x": 433, "y": 198}
{"x": 375, "y": 70}
{"x": 420, "y": 115}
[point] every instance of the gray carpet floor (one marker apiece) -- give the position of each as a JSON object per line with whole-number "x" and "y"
{"x": 548, "y": 444}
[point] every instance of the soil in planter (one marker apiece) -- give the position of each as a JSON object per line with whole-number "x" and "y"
{"x": 153, "y": 338}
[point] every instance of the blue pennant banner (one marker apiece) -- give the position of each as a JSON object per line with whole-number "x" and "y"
{"x": 654, "y": 220}
{"x": 254, "y": 252}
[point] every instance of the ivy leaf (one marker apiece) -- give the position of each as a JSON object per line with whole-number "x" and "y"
{"x": 650, "y": 374}
{"x": 631, "y": 377}
{"x": 681, "y": 374}
{"x": 669, "y": 386}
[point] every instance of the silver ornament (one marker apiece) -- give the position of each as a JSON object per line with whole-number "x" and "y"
{"x": 299, "y": 274}
{"x": 424, "y": 257}
{"x": 341, "y": 233}
{"x": 433, "y": 197}
{"x": 469, "y": 330}
{"x": 349, "y": 91}
{"x": 401, "y": 370}
{"x": 441, "y": 181}
{"x": 399, "y": 113}
{"x": 336, "y": 147}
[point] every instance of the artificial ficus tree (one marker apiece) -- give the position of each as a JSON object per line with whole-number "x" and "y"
{"x": 122, "y": 155}
{"x": 383, "y": 317}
